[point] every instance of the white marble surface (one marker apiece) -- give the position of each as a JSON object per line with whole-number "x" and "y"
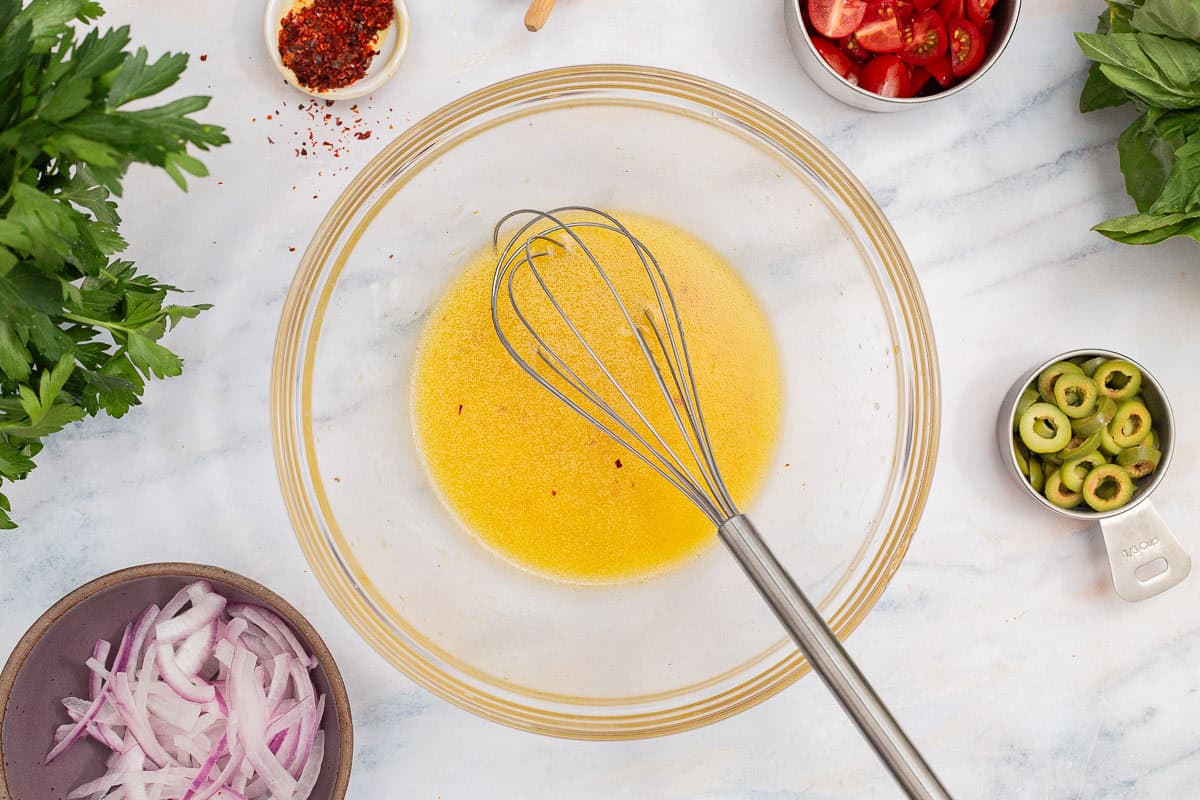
{"x": 999, "y": 643}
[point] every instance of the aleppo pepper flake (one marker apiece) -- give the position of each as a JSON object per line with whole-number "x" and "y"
{"x": 329, "y": 44}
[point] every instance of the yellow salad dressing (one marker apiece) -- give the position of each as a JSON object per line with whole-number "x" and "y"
{"x": 539, "y": 485}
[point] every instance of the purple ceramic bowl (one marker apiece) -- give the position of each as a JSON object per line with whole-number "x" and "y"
{"x": 48, "y": 665}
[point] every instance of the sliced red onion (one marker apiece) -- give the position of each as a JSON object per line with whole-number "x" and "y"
{"x": 137, "y": 724}
{"x": 141, "y": 631}
{"x": 99, "y": 652}
{"x": 79, "y": 728}
{"x": 178, "y": 680}
{"x": 275, "y": 628}
{"x": 253, "y": 733}
{"x": 196, "y": 649}
{"x": 202, "y": 612}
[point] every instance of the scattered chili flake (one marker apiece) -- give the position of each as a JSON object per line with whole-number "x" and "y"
{"x": 270, "y": 116}
{"x": 460, "y": 408}
{"x": 363, "y": 135}
{"x": 618, "y": 463}
{"x": 554, "y": 492}
{"x": 204, "y": 56}
{"x": 291, "y": 249}
{"x": 329, "y": 44}
{"x": 270, "y": 140}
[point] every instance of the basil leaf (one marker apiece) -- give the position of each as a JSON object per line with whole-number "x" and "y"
{"x": 1149, "y": 91}
{"x": 1145, "y": 162}
{"x": 1150, "y": 228}
{"x": 1182, "y": 189}
{"x": 1099, "y": 92}
{"x": 1179, "y": 19}
{"x": 1177, "y": 62}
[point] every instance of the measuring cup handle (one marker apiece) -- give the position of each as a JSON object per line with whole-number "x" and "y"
{"x": 1143, "y": 554}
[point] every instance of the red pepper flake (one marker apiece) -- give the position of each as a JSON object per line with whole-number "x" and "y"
{"x": 329, "y": 44}
{"x": 460, "y": 409}
{"x": 291, "y": 249}
{"x": 204, "y": 56}
{"x": 270, "y": 140}
{"x": 554, "y": 492}
{"x": 269, "y": 116}
{"x": 363, "y": 135}
{"x": 619, "y": 463}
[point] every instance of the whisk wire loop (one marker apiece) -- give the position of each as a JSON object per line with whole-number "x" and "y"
{"x": 700, "y": 482}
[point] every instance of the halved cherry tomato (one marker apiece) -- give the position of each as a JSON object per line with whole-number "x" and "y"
{"x": 880, "y": 31}
{"x": 924, "y": 5}
{"x": 966, "y": 48}
{"x": 855, "y": 50}
{"x": 979, "y": 10}
{"x": 988, "y": 29}
{"x": 942, "y": 72}
{"x": 952, "y": 10}
{"x": 836, "y": 58}
{"x": 925, "y": 39}
{"x": 905, "y": 11}
{"x": 836, "y": 18}
{"x": 917, "y": 78}
{"x": 886, "y": 76}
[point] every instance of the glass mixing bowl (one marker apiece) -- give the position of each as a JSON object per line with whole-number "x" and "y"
{"x": 854, "y": 462}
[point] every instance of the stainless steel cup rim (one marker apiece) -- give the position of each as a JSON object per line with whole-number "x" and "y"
{"x": 1160, "y": 411}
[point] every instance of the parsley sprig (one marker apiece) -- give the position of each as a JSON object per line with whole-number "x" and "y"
{"x": 79, "y": 328}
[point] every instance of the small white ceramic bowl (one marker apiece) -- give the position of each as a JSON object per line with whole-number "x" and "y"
{"x": 835, "y": 85}
{"x": 383, "y": 66}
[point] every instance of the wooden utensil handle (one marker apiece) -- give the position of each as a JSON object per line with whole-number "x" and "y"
{"x": 539, "y": 11}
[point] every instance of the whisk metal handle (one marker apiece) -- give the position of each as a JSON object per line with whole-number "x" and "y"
{"x": 830, "y": 661}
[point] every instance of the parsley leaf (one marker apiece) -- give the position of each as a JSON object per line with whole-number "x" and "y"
{"x": 80, "y": 330}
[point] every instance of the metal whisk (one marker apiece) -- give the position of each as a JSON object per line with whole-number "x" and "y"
{"x": 691, "y": 468}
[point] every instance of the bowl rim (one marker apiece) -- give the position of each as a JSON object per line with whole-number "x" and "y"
{"x": 796, "y": 18}
{"x": 32, "y": 636}
{"x": 308, "y": 507}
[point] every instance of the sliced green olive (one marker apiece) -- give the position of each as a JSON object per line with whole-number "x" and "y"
{"x": 1151, "y": 440}
{"x": 1107, "y": 487}
{"x": 1118, "y": 379}
{"x": 1140, "y": 461}
{"x": 1037, "y": 474}
{"x": 1080, "y": 446}
{"x": 1131, "y": 424}
{"x": 1089, "y": 366}
{"x": 1021, "y": 454}
{"x": 1075, "y": 470}
{"x": 1051, "y": 374}
{"x": 1107, "y": 445}
{"x": 1106, "y": 409}
{"x": 1076, "y": 395}
{"x": 1052, "y": 458}
{"x": 1052, "y": 435}
{"x": 1027, "y": 398}
{"x": 1058, "y": 494}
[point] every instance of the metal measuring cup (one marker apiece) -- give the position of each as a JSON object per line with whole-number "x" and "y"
{"x": 1143, "y": 554}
